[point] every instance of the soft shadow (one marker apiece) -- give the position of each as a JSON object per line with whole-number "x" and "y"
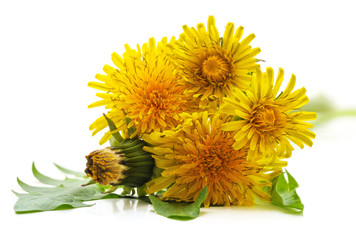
{"x": 129, "y": 204}
{"x": 258, "y": 209}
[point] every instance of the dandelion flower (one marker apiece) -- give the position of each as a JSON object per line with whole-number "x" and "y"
{"x": 212, "y": 66}
{"x": 197, "y": 154}
{"x": 267, "y": 122}
{"x": 143, "y": 93}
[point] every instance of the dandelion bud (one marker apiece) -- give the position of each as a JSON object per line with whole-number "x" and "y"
{"x": 126, "y": 164}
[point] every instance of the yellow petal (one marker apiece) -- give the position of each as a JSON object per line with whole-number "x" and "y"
{"x": 159, "y": 184}
{"x": 306, "y": 116}
{"x": 243, "y": 98}
{"x": 278, "y": 83}
{"x": 99, "y": 86}
{"x": 228, "y": 34}
{"x": 289, "y": 87}
{"x": 234, "y": 125}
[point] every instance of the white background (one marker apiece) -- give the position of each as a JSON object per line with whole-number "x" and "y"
{"x": 49, "y": 50}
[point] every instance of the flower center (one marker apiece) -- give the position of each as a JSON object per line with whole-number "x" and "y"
{"x": 157, "y": 99}
{"x": 268, "y": 119}
{"x": 215, "y": 69}
{"x": 216, "y": 157}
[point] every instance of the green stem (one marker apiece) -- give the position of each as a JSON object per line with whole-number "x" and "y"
{"x": 330, "y": 115}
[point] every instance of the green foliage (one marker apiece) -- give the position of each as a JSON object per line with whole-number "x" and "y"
{"x": 63, "y": 194}
{"x": 326, "y": 110}
{"x": 179, "y": 210}
{"x": 68, "y": 171}
{"x": 284, "y": 193}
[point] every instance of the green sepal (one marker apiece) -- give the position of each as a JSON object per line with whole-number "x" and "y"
{"x": 137, "y": 156}
{"x": 117, "y": 136}
{"x": 131, "y": 130}
{"x": 134, "y": 181}
{"x": 139, "y": 161}
{"x": 128, "y": 191}
{"x": 179, "y": 210}
{"x": 132, "y": 149}
{"x": 156, "y": 172}
{"x": 141, "y": 191}
{"x": 128, "y": 143}
{"x": 280, "y": 94}
{"x": 113, "y": 142}
{"x": 284, "y": 193}
{"x": 237, "y": 118}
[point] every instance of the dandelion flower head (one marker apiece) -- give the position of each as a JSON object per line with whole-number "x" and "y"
{"x": 143, "y": 93}
{"x": 211, "y": 66}
{"x": 197, "y": 154}
{"x": 267, "y": 121}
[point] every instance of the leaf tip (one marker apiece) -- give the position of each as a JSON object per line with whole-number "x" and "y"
{"x": 16, "y": 193}
{"x": 34, "y": 169}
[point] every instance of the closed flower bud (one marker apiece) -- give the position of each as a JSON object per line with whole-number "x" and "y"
{"x": 126, "y": 164}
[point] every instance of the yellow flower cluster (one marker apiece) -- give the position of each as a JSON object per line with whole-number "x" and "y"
{"x": 210, "y": 115}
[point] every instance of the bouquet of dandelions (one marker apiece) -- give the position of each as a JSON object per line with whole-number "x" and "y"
{"x": 195, "y": 121}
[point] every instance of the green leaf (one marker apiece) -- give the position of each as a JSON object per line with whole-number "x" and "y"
{"x": 117, "y": 136}
{"x": 284, "y": 193}
{"x": 179, "y": 210}
{"x": 319, "y": 104}
{"x": 64, "y": 194}
{"x": 70, "y": 172}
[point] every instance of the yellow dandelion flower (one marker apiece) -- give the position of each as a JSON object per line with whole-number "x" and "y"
{"x": 266, "y": 121}
{"x": 212, "y": 66}
{"x": 197, "y": 154}
{"x": 144, "y": 90}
